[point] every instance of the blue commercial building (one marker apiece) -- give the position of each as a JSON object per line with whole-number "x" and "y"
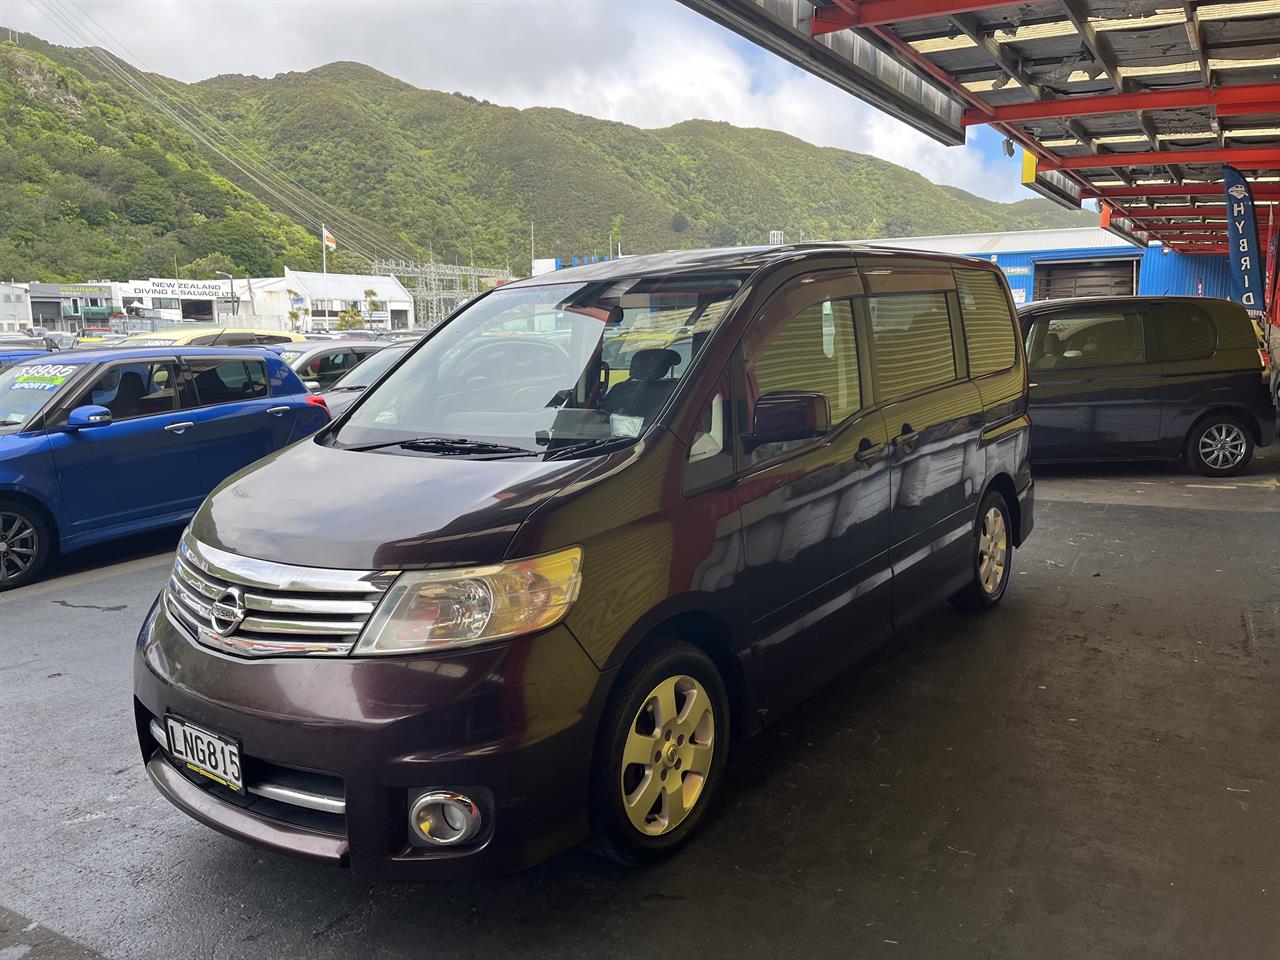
{"x": 1082, "y": 262}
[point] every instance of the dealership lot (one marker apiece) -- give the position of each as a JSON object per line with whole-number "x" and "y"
{"x": 1092, "y": 770}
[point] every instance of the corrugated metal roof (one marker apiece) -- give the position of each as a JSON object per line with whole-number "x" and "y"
{"x": 345, "y": 286}
{"x": 1065, "y": 238}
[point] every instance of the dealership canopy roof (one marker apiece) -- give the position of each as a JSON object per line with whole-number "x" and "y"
{"x": 1136, "y": 103}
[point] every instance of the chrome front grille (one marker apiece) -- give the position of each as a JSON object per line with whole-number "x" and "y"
{"x": 257, "y": 608}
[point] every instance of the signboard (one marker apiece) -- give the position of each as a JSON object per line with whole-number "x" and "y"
{"x": 1016, "y": 271}
{"x": 1019, "y": 295}
{"x": 182, "y": 289}
{"x": 1242, "y": 241}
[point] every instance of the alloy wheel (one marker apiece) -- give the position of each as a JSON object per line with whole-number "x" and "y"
{"x": 993, "y": 551}
{"x": 1223, "y": 446}
{"x": 19, "y": 545}
{"x": 667, "y": 755}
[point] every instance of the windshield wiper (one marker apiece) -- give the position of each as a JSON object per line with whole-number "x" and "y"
{"x": 450, "y": 446}
{"x": 359, "y": 386}
{"x": 559, "y": 453}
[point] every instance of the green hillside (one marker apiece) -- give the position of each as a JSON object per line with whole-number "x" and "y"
{"x": 105, "y": 183}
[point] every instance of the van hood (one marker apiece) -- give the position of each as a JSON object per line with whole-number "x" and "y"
{"x": 317, "y": 506}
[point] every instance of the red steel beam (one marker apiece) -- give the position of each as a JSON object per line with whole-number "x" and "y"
{"x": 1244, "y": 158}
{"x": 1251, "y": 98}
{"x": 1261, "y": 191}
{"x": 844, "y": 14}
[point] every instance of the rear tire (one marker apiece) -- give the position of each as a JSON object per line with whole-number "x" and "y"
{"x": 992, "y": 555}
{"x": 26, "y": 543}
{"x": 660, "y": 755}
{"x": 1219, "y": 445}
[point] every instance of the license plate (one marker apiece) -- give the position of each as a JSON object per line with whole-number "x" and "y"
{"x": 205, "y": 753}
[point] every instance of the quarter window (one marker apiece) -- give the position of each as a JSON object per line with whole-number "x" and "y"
{"x": 1184, "y": 333}
{"x": 710, "y": 457}
{"x": 1093, "y": 339}
{"x": 228, "y": 381}
{"x": 914, "y": 350}
{"x": 988, "y": 325}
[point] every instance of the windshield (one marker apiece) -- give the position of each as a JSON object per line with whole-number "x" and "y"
{"x": 27, "y": 387}
{"x": 370, "y": 370}
{"x": 530, "y": 367}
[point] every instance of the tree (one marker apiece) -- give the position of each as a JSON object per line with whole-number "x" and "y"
{"x": 208, "y": 266}
{"x": 371, "y": 301}
{"x": 350, "y": 319}
{"x": 295, "y": 313}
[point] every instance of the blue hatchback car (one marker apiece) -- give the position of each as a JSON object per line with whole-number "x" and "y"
{"x": 100, "y": 444}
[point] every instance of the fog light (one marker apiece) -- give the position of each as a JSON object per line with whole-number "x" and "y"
{"x": 444, "y": 819}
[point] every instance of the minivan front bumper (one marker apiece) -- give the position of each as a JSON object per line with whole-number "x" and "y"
{"x": 511, "y": 725}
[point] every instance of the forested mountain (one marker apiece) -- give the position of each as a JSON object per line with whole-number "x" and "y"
{"x": 100, "y": 177}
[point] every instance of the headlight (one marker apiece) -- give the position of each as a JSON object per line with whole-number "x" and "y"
{"x": 441, "y": 609}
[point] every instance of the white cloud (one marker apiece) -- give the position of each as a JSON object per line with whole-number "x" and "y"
{"x": 645, "y": 62}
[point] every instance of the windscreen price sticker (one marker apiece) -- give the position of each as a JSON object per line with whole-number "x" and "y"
{"x": 43, "y": 376}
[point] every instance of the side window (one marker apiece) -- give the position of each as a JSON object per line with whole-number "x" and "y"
{"x": 227, "y": 381}
{"x": 264, "y": 338}
{"x": 912, "y": 335}
{"x": 710, "y": 457}
{"x": 236, "y": 340}
{"x": 204, "y": 340}
{"x": 1092, "y": 339}
{"x": 989, "y": 328}
{"x": 134, "y": 390}
{"x": 813, "y": 351}
{"x": 1183, "y": 332}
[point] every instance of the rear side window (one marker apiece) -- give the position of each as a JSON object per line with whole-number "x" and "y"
{"x": 1183, "y": 332}
{"x": 272, "y": 338}
{"x": 228, "y": 381}
{"x": 988, "y": 325}
{"x": 912, "y": 335}
{"x": 1087, "y": 339}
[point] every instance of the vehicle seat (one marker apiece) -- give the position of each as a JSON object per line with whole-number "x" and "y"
{"x": 1052, "y": 351}
{"x": 648, "y": 387}
{"x": 128, "y": 401}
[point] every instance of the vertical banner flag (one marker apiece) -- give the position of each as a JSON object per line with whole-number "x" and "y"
{"x": 327, "y": 237}
{"x": 1242, "y": 241}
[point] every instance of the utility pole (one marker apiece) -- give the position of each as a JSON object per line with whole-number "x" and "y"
{"x": 324, "y": 249}
{"x": 531, "y": 248}
{"x": 231, "y": 285}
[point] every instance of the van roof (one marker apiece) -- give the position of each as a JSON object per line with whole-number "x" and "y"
{"x": 1043, "y": 305}
{"x": 722, "y": 258}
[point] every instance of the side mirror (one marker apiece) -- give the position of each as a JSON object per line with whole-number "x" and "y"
{"x": 90, "y": 415}
{"x": 788, "y": 415}
{"x": 312, "y": 385}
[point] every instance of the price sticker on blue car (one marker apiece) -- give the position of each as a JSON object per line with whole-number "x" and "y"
{"x": 43, "y": 376}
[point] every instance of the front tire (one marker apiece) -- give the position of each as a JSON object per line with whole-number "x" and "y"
{"x": 26, "y": 544}
{"x": 992, "y": 555}
{"x": 660, "y": 755}
{"x": 1220, "y": 445}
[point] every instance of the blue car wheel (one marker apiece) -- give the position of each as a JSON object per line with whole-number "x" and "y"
{"x": 25, "y": 544}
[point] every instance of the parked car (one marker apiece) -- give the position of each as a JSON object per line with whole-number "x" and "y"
{"x": 542, "y": 608}
{"x": 347, "y": 389}
{"x": 102, "y": 444}
{"x": 1160, "y": 378}
{"x": 14, "y": 348}
{"x": 59, "y": 339}
{"x": 210, "y": 336}
{"x": 417, "y": 333}
{"x": 93, "y": 333}
{"x": 320, "y": 364}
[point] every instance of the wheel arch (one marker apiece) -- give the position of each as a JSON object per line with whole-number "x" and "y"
{"x": 1237, "y": 412}
{"x": 1003, "y": 484}
{"x": 33, "y": 501}
{"x": 710, "y": 633}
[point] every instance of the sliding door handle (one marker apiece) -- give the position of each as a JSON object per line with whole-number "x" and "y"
{"x": 868, "y": 451}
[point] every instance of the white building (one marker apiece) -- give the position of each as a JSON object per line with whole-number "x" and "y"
{"x": 318, "y": 299}
{"x": 15, "y": 308}
{"x": 170, "y": 300}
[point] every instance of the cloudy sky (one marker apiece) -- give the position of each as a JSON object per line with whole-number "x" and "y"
{"x": 646, "y": 62}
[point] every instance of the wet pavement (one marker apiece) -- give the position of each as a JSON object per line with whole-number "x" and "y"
{"x": 1091, "y": 771}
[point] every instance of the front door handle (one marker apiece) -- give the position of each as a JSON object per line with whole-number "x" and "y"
{"x": 1032, "y": 386}
{"x": 277, "y": 411}
{"x": 867, "y": 450}
{"x": 179, "y": 428}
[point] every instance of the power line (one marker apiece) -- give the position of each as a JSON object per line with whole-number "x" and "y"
{"x": 215, "y": 136}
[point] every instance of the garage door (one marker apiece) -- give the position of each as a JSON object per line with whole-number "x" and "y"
{"x": 1098, "y": 278}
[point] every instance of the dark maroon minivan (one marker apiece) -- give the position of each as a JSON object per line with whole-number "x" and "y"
{"x": 588, "y": 532}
